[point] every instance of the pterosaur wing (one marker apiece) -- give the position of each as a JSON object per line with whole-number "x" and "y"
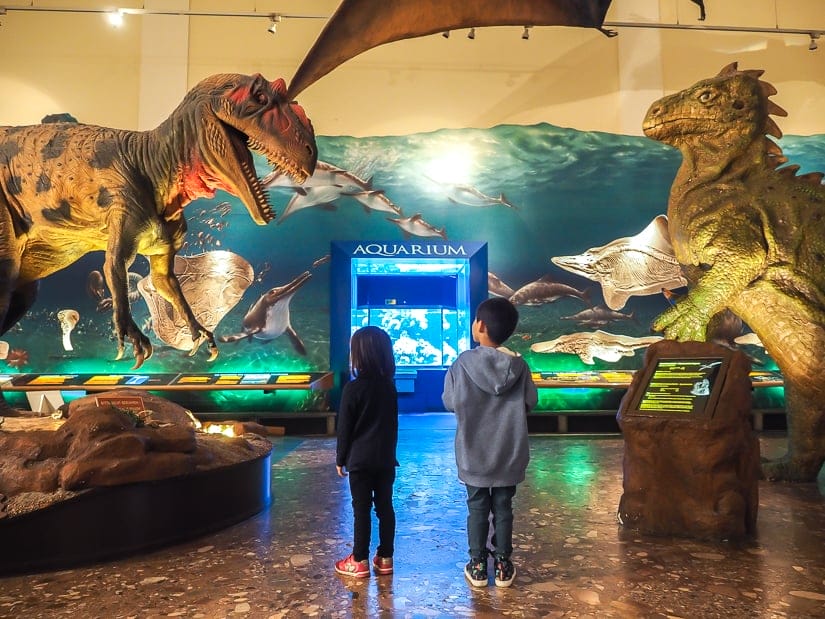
{"x": 359, "y": 25}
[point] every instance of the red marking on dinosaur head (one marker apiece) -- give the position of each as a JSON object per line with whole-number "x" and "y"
{"x": 249, "y": 113}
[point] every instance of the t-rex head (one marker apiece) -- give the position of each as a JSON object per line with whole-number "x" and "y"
{"x": 236, "y": 113}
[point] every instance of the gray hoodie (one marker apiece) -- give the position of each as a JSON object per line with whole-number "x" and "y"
{"x": 491, "y": 391}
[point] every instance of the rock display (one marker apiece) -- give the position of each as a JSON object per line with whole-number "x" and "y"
{"x": 692, "y": 476}
{"x": 102, "y": 445}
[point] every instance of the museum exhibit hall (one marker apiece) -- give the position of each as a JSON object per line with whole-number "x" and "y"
{"x": 524, "y": 298}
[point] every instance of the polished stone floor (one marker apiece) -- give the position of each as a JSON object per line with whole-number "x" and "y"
{"x": 573, "y": 559}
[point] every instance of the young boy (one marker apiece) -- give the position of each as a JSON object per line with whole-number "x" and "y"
{"x": 491, "y": 390}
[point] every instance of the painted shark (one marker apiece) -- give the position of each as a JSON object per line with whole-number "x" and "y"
{"x": 587, "y": 346}
{"x": 470, "y": 196}
{"x": 377, "y": 200}
{"x": 598, "y": 316}
{"x": 497, "y": 287}
{"x": 325, "y": 175}
{"x": 268, "y": 318}
{"x": 636, "y": 265}
{"x": 546, "y": 290}
{"x": 321, "y": 196}
{"x": 416, "y": 226}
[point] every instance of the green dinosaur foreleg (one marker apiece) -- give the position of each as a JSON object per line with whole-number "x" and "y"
{"x": 736, "y": 259}
{"x": 167, "y": 285}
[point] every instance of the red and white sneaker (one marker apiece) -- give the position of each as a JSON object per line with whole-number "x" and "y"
{"x": 351, "y": 567}
{"x": 382, "y": 565}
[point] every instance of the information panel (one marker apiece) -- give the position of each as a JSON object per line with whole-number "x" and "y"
{"x": 680, "y": 387}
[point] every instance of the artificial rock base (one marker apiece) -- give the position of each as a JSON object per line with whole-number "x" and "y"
{"x": 692, "y": 477}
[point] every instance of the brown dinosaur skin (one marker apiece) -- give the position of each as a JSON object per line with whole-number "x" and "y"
{"x": 68, "y": 189}
{"x": 751, "y": 237}
{"x": 359, "y": 25}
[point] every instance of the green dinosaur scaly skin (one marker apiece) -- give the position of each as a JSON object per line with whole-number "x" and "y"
{"x": 751, "y": 237}
{"x": 67, "y": 189}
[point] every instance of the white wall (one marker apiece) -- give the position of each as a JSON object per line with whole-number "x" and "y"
{"x": 570, "y": 77}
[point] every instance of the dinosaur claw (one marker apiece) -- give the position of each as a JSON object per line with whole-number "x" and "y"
{"x": 138, "y": 362}
{"x": 213, "y": 354}
{"x": 119, "y": 355}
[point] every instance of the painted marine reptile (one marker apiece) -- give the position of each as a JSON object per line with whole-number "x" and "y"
{"x": 751, "y": 238}
{"x": 68, "y": 189}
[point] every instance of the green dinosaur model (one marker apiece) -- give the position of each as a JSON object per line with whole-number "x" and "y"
{"x": 68, "y": 189}
{"x": 751, "y": 238}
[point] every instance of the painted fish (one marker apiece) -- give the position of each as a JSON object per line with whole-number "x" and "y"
{"x": 68, "y": 319}
{"x": 470, "y": 196}
{"x": 637, "y": 265}
{"x": 546, "y": 290}
{"x": 321, "y": 196}
{"x": 377, "y": 200}
{"x": 213, "y": 283}
{"x": 587, "y": 346}
{"x": 598, "y": 316}
{"x": 325, "y": 175}
{"x": 268, "y": 318}
{"x": 749, "y": 339}
{"x": 497, "y": 287}
{"x": 416, "y": 226}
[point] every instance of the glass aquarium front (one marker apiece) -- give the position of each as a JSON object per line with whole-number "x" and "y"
{"x": 423, "y": 306}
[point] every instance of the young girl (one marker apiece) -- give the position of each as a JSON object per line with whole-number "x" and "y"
{"x": 367, "y": 438}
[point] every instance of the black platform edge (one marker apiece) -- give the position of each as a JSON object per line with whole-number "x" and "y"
{"x": 108, "y": 523}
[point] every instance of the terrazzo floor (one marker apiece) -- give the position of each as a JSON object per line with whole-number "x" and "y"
{"x": 573, "y": 559}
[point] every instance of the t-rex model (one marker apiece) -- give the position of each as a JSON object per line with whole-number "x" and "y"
{"x": 751, "y": 238}
{"x": 68, "y": 189}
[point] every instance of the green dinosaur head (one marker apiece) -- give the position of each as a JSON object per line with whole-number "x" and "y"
{"x": 232, "y": 114}
{"x": 721, "y": 115}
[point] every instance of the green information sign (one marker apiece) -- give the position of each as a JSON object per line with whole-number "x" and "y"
{"x": 679, "y": 387}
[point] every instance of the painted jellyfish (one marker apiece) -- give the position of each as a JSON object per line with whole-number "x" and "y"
{"x": 68, "y": 320}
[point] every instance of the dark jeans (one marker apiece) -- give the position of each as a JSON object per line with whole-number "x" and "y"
{"x": 370, "y": 487}
{"x": 480, "y": 503}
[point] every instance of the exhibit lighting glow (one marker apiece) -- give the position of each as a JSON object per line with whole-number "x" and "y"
{"x": 115, "y": 18}
{"x": 453, "y": 165}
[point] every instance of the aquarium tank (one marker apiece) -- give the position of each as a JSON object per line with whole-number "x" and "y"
{"x": 422, "y": 305}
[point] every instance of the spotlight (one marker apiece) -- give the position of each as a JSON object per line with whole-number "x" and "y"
{"x": 813, "y": 46}
{"x": 526, "y": 34}
{"x": 275, "y": 19}
{"x": 115, "y": 18}
{"x": 446, "y": 34}
{"x": 472, "y": 34}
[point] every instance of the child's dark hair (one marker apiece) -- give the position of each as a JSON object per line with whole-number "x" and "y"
{"x": 500, "y": 317}
{"x": 371, "y": 353}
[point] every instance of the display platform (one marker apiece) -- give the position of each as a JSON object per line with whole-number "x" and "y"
{"x": 104, "y": 523}
{"x": 318, "y": 381}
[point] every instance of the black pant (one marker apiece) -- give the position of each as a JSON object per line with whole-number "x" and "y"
{"x": 368, "y": 487}
{"x": 480, "y": 503}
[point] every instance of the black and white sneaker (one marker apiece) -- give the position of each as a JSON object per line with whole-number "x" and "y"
{"x": 505, "y": 572}
{"x": 476, "y": 572}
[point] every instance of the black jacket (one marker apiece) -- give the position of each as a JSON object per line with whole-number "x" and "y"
{"x": 368, "y": 424}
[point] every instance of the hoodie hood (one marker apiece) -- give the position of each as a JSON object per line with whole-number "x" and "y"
{"x": 493, "y": 370}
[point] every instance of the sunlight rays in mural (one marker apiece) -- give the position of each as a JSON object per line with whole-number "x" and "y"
{"x": 454, "y": 164}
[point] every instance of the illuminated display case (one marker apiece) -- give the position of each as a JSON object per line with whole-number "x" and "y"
{"x": 421, "y": 293}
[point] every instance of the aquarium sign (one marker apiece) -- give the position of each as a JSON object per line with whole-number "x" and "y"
{"x": 399, "y": 250}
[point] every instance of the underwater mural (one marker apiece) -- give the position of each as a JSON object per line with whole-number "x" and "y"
{"x": 540, "y": 196}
